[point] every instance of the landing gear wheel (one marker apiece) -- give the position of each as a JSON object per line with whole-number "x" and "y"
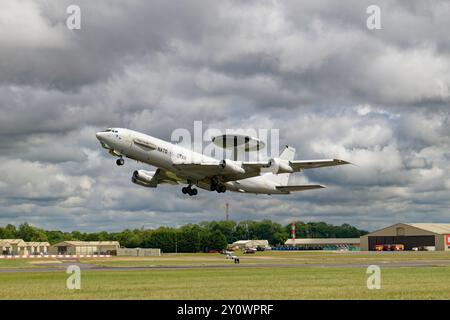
{"x": 189, "y": 190}
{"x": 221, "y": 189}
{"x": 120, "y": 162}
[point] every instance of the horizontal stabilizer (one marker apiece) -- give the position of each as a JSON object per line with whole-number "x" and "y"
{"x": 300, "y": 188}
{"x": 299, "y": 165}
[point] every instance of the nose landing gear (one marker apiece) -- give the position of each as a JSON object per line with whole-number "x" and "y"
{"x": 189, "y": 190}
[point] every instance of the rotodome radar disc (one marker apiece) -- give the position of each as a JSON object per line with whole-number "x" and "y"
{"x": 230, "y": 141}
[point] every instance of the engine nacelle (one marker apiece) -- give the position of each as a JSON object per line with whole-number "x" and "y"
{"x": 232, "y": 167}
{"x": 280, "y": 166}
{"x": 144, "y": 178}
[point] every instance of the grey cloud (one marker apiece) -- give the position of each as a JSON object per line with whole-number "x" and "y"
{"x": 378, "y": 98}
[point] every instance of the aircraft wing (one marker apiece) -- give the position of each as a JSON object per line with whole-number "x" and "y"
{"x": 299, "y": 165}
{"x": 164, "y": 176}
{"x": 288, "y": 189}
{"x": 200, "y": 171}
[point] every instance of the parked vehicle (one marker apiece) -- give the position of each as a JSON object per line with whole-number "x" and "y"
{"x": 389, "y": 247}
{"x": 378, "y": 247}
{"x": 397, "y": 247}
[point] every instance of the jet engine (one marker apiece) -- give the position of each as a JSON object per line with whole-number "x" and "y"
{"x": 280, "y": 166}
{"x": 232, "y": 167}
{"x": 144, "y": 178}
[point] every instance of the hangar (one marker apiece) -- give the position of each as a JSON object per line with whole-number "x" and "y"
{"x": 85, "y": 247}
{"x": 434, "y": 236}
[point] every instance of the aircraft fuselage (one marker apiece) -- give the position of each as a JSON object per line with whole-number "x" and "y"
{"x": 162, "y": 154}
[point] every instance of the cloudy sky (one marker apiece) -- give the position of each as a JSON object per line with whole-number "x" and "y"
{"x": 334, "y": 88}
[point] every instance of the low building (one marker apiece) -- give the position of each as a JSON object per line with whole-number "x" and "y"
{"x": 139, "y": 252}
{"x": 242, "y": 244}
{"x": 12, "y": 247}
{"x": 18, "y": 247}
{"x": 85, "y": 247}
{"x": 413, "y": 236}
{"x": 37, "y": 248}
{"x": 323, "y": 243}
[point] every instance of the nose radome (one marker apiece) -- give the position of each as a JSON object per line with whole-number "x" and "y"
{"x": 98, "y": 135}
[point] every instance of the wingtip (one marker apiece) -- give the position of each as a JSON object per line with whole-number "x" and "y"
{"x": 344, "y": 162}
{"x": 350, "y": 163}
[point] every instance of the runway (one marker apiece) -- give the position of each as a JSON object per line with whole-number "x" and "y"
{"x": 61, "y": 267}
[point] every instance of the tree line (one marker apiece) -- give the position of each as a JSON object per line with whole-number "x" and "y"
{"x": 201, "y": 237}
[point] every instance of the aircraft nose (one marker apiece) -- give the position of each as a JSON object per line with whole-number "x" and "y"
{"x": 99, "y": 135}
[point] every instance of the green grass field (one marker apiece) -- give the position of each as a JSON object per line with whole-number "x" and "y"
{"x": 261, "y": 282}
{"x": 274, "y": 257}
{"x": 24, "y": 263}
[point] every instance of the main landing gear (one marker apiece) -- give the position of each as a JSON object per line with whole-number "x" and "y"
{"x": 189, "y": 190}
{"x": 218, "y": 187}
{"x": 120, "y": 162}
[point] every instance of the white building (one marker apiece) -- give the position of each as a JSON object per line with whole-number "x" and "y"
{"x": 318, "y": 243}
{"x": 241, "y": 244}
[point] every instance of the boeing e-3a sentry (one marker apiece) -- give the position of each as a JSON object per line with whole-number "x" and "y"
{"x": 177, "y": 165}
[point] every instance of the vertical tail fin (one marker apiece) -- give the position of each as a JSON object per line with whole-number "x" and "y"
{"x": 288, "y": 153}
{"x": 282, "y": 179}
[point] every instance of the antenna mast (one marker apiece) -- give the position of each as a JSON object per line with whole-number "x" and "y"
{"x": 227, "y": 207}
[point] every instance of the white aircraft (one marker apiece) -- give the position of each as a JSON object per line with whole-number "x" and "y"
{"x": 178, "y": 165}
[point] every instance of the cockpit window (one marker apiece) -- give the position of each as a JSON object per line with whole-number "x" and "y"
{"x": 111, "y": 130}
